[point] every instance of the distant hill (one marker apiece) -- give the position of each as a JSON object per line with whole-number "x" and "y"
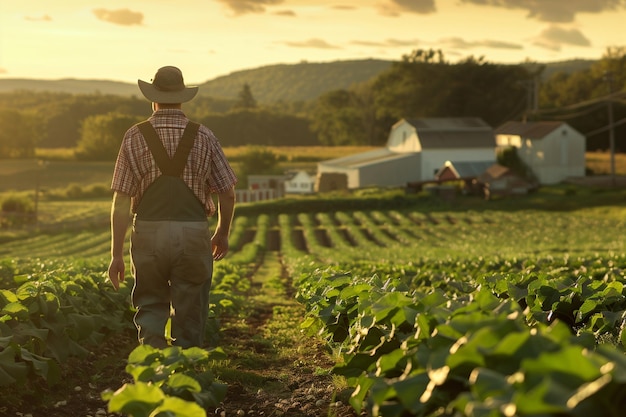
{"x": 568, "y": 67}
{"x": 295, "y": 82}
{"x": 282, "y": 82}
{"x": 69, "y": 85}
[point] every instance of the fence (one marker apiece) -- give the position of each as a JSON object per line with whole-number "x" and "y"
{"x": 250, "y": 196}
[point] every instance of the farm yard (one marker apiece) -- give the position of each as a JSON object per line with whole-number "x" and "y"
{"x": 369, "y": 303}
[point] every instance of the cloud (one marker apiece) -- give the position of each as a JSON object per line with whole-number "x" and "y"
{"x": 453, "y": 43}
{"x": 287, "y": 13}
{"x": 458, "y": 43}
{"x": 344, "y": 7}
{"x": 240, "y": 7}
{"x": 388, "y": 43}
{"x": 3, "y": 71}
{"x": 44, "y": 18}
{"x": 557, "y": 11}
{"x": 554, "y": 37}
{"x": 312, "y": 43}
{"x": 124, "y": 17}
{"x": 397, "y": 7}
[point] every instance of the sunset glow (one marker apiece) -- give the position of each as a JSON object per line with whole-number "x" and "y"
{"x": 123, "y": 41}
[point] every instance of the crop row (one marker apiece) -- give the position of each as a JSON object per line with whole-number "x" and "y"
{"x": 389, "y": 235}
{"x": 476, "y": 338}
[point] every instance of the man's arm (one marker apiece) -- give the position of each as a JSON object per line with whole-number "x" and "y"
{"x": 225, "y": 212}
{"x": 120, "y": 211}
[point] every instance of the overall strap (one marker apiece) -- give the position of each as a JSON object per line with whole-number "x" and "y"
{"x": 173, "y": 167}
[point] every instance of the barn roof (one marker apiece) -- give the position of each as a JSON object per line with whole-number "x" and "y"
{"x": 463, "y": 132}
{"x": 448, "y": 123}
{"x": 363, "y": 158}
{"x": 529, "y": 130}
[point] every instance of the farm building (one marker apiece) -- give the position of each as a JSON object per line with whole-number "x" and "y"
{"x": 498, "y": 179}
{"x": 330, "y": 181}
{"x": 267, "y": 182}
{"x": 300, "y": 182}
{"x": 262, "y": 187}
{"x": 465, "y": 171}
{"x": 554, "y": 151}
{"x": 415, "y": 150}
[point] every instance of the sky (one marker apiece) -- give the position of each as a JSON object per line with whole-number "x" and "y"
{"x": 129, "y": 40}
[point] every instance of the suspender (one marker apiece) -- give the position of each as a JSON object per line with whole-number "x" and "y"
{"x": 173, "y": 167}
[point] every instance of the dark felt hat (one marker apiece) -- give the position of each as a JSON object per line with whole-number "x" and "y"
{"x": 167, "y": 86}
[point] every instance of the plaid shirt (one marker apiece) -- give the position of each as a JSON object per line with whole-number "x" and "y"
{"x": 207, "y": 170}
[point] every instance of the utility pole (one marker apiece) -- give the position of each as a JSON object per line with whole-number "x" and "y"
{"x": 608, "y": 76}
{"x": 532, "y": 96}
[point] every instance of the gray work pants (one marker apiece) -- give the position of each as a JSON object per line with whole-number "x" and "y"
{"x": 172, "y": 264}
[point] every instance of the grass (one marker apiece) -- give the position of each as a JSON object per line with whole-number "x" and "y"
{"x": 302, "y": 153}
{"x": 599, "y": 163}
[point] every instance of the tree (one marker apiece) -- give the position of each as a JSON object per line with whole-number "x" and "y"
{"x": 257, "y": 160}
{"x": 245, "y": 99}
{"x": 337, "y": 119}
{"x": 17, "y": 136}
{"x": 260, "y": 127}
{"x": 101, "y": 135}
{"x": 427, "y": 87}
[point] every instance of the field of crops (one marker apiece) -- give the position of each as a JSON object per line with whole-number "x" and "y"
{"x": 488, "y": 312}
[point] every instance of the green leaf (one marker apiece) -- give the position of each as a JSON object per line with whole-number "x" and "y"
{"x": 39, "y": 334}
{"x": 360, "y": 392}
{"x": 196, "y": 354}
{"x": 44, "y": 367}
{"x": 137, "y": 400}
{"x": 574, "y": 361}
{"x": 588, "y": 306}
{"x": 11, "y": 371}
{"x": 84, "y": 325}
{"x": 173, "y": 406}
{"x": 16, "y": 309}
{"x": 486, "y": 383}
{"x": 143, "y": 354}
{"x": 389, "y": 362}
{"x": 183, "y": 382}
{"x": 8, "y": 296}
{"x": 354, "y": 290}
{"x": 411, "y": 389}
{"x": 144, "y": 373}
{"x": 211, "y": 397}
{"x": 545, "y": 398}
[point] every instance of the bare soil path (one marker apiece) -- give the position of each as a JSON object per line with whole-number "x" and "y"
{"x": 274, "y": 369}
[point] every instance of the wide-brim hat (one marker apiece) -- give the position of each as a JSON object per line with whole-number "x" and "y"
{"x": 167, "y": 86}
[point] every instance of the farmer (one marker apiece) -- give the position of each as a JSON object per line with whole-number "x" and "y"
{"x": 167, "y": 169}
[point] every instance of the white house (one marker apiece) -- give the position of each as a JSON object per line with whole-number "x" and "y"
{"x": 416, "y": 149}
{"x": 300, "y": 183}
{"x": 554, "y": 151}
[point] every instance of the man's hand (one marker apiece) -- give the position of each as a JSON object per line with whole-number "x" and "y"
{"x": 116, "y": 272}
{"x": 225, "y": 211}
{"x": 120, "y": 210}
{"x": 219, "y": 244}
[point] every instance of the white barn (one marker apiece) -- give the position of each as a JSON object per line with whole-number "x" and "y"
{"x": 415, "y": 150}
{"x": 554, "y": 151}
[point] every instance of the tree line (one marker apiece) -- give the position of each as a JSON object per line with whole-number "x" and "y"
{"x": 422, "y": 84}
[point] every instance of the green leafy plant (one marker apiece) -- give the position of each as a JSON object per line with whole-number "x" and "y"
{"x": 172, "y": 381}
